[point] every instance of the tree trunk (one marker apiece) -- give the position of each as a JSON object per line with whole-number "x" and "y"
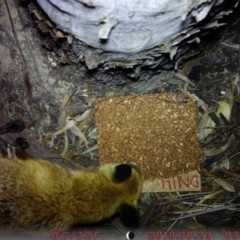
{"x": 136, "y": 37}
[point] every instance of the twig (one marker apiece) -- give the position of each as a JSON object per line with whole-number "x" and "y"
{"x": 37, "y": 124}
{"x": 26, "y": 72}
{"x": 209, "y": 211}
{"x": 220, "y": 134}
{"x": 179, "y": 218}
{"x": 148, "y": 213}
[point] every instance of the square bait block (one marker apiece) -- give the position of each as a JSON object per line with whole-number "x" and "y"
{"x": 157, "y": 133}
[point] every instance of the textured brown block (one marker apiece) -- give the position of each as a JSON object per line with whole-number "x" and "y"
{"x": 155, "y": 132}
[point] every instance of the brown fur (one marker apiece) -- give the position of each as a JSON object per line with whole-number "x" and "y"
{"x": 36, "y": 194}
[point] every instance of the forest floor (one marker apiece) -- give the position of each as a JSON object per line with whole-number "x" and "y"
{"x": 46, "y": 90}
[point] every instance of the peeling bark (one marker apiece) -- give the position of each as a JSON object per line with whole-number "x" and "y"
{"x": 136, "y": 35}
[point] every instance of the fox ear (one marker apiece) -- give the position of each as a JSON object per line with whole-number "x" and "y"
{"x": 129, "y": 215}
{"x": 122, "y": 172}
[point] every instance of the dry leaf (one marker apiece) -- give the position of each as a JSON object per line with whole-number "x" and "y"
{"x": 90, "y": 149}
{"x": 70, "y": 39}
{"x": 84, "y": 122}
{"x": 37, "y": 14}
{"x": 214, "y": 152}
{"x": 93, "y": 134}
{"x": 221, "y": 182}
{"x": 184, "y": 78}
{"x": 230, "y": 173}
{"x": 71, "y": 123}
{"x": 63, "y": 114}
{"x": 64, "y": 152}
{"x": 197, "y": 99}
{"x": 223, "y": 108}
{"x": 79, "y": 133}
{"x": 60, "y": 34}
{"x": 83, "y": 116}
{"x": 178, "y": 205}
{"x": 225, "y": 184}
{"x": 49, "y": 23}
{"x": 203, "y": 126}
{"x": 192, "y": 225}
{"x": 209, "y": 196}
